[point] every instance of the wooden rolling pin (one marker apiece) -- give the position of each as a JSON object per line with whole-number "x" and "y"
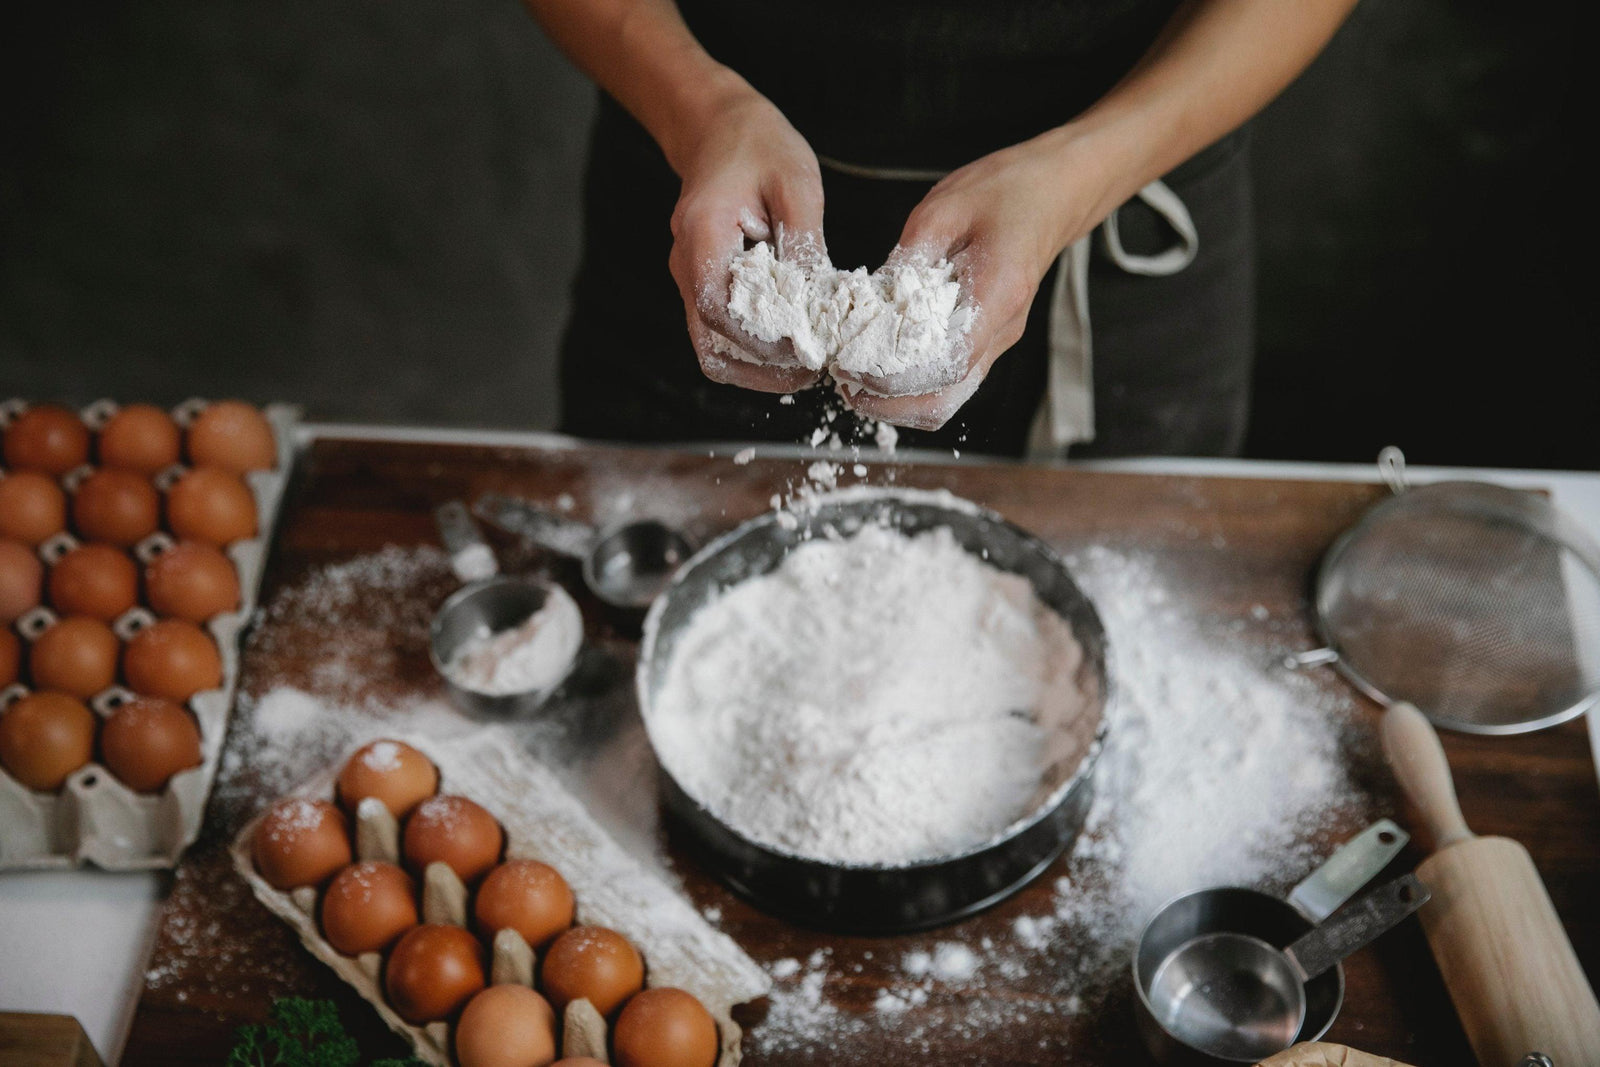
{"x": 1506, "y": 960}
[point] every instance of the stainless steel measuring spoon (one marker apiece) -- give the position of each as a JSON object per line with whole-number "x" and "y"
{"x": 490, "y": 602}
{"x": 1273, "y": 920}
{"x": 625, "y": 566}
{"x": 1237, "y": 998}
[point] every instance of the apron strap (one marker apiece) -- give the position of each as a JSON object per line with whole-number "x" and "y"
{"x": 1066, "y": 414}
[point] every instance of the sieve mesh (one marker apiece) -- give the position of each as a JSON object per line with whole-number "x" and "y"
{"x": 1477, "y": 603}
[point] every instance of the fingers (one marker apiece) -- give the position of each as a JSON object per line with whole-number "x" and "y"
{"x": 707, "y": 237}
{"x": 723, "y": 361}
{"x": 930, "y": 411}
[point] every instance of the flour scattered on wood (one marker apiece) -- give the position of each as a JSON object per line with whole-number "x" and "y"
{"x": 1219, "y": 768}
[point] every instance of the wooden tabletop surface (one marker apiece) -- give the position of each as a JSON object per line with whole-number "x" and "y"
{"x": 1226, "y": 546}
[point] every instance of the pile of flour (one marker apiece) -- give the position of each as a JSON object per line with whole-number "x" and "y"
{"x": 901, "y": 325}
{"x": 876, "y": 699}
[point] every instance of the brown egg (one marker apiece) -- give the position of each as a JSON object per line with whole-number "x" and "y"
{"x": 594, "y": 963}
{"x": 77, "y": 656}
{"x": 527, "y": 896}
{"x": 33, "y": 507}
{"x": 191, "y": 581}
{"x": 665, "y": 1028}
{"x": 147, "y": 741}
{"x": 140, "y": 437}
{"x": 44, "y": 737}
{"x": 432, "y": 972}
{"x": 21, "y": 580}
{"x": 232, "y": 435}
{"x": 392, "y": 771}
{"x": 100, "y": 581}
{"x": 172, "y": 658}
{"x": 47, "y": 438}
{"x": 117, "y": 506}
{"x": 506, "y": 1026}
{"x": 455, "y": 831}
{"x": 301, "y": 842}
{"x": 211, "y": 505}
{"x": 578, "y": 1061}
{"x": 10, "y": 656}
{"x": 367, "y": 907}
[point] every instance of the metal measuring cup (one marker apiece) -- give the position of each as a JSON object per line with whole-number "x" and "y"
{"x": 493, "y": 602}
{"x": 1237, "y": 998}
{"x": 625, "y": 566}
{"x": 1273, "y": 920}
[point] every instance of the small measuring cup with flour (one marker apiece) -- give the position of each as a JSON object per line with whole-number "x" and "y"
{"x": 502, "y": 644}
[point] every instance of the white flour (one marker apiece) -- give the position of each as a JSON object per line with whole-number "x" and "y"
{"x": 531, "y": 657}
{"x": 874, "y": 700}
{"x": 901, "y": 325}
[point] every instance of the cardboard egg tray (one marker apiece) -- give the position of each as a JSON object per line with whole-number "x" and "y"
{"x": 95, "y": 818}
{"x": 542, "y": 821}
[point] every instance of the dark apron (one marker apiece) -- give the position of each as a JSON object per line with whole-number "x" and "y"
{"x": 1172, "y": 355}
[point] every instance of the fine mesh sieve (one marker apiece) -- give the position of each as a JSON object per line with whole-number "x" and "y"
{"x": 1478, "y": 603}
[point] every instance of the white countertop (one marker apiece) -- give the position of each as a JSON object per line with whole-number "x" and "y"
{"x": 76, "y": 942}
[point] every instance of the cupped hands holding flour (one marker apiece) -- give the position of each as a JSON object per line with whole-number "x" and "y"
{"x": 1000, "y": 222}
{"x": 910, "y": 342}
{"x": 746, "y": 173}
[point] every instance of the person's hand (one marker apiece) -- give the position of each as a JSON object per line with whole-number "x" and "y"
{"x": 1001, "y": 221}
{"x": 746, "y": 174}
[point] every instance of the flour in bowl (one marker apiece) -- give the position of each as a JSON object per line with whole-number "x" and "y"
{"x": 878, "y": 699}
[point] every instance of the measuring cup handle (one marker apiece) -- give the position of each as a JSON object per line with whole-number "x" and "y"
{"x": 1357, "y": 862}
{"x": 471, "y": 558}
{"x": 1362, "y": 923}
{"x": 569, "y": 537}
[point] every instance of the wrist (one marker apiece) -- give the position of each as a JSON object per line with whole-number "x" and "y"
{"x": 701, "y": 103}
{"x": 1109, "y": 158}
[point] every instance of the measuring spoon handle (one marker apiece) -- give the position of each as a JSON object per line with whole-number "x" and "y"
{"x": 569, "y": 537}
{"x": 1357, "y": 926}
{"x": 1357, "y": 862}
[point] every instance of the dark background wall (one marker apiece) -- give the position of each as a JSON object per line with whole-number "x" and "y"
{"x": 371, "y": 208}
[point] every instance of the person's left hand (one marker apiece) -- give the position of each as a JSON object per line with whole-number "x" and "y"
{"x": 1001, "y": 221}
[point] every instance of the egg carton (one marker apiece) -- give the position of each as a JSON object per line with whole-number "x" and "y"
{"x": 545, "y": 822}
{"x": 95, "y": 818}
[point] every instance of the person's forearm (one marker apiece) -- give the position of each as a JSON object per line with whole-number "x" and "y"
{"x": 641, "y": 53}
{"x": 1215, "y": 65}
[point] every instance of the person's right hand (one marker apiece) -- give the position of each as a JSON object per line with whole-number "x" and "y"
{"x": 746, "y": 173}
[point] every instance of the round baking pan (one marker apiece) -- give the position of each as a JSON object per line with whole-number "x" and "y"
{"x": 866, "y": 898}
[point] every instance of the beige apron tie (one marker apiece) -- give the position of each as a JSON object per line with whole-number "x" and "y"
{"x": 1066, "y": 413}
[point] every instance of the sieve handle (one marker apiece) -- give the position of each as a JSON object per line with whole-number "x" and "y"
{"x": 1418, "y": 761}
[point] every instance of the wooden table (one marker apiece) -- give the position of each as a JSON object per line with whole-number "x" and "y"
{"x": 1229, "y": 544}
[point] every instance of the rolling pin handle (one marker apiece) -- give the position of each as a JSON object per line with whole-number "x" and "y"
{"x": 1419, "y": 764}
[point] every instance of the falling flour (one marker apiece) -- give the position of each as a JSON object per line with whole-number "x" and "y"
{"x": 876, "y": 699}
{"x": 901, "y": 326}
